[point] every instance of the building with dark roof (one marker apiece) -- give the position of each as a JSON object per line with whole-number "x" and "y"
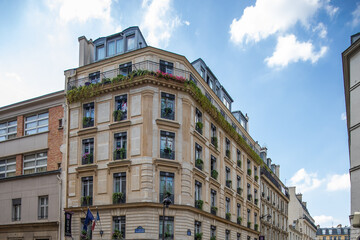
{"x": 338, "y": 233}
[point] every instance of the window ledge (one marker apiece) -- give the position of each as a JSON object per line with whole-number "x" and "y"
{"x": 123, "y": 123}
{"x": 228, "y": 160}
{"x": 229, "y": 190}
{"x": 214, "y": 182}
{"x": 167, "y": 123}
{"x": 86, "y": 168}
{"x": 87, "y": 131}
{"x": 249, "y": 178}
{"x": 199, "y": 136}
{"x": 214, "y": 148}
{"x": 199, "y": 172}
{"x": 119, "y": 163}
{"x": 166, "y": 163}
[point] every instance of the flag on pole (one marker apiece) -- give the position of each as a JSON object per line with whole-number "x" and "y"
{"x": 89, "y": 218}
{"x": 97, "y": 219}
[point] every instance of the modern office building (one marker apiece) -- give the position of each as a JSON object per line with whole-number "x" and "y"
{"x": 351, "y": 71}
{"x": 144, "y": 124}
{"x": 300, "y": 219}
{"x": 274, "y": 201}
{"x": 31, "y": 138}
{"x": 338, "y": 233}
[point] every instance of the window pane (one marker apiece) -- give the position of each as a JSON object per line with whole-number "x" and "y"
{"x": 44, "y": 115}
{"x": 100, "y": 52}
{"x": 130, "y": 42}
{"x": 43, "y": 122}
{"x": 30, "y": 125}
{"x": 119, "y": 46}
{"x": 31, "y": 118}
{"x": 111, "y": 48}
{"x": 42, "y": 129}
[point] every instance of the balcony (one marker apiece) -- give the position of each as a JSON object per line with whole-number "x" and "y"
{"x": 199, "y": 127}
{"x": 213, "y": 210}
{"x": 249, "y": 197}
{"x": 87, "y": 158}
{"x": 228, "y": 183}
{"x": 88, "y": 122}
{"x": 119, "y": 197}
{"x": 105, "y": 77}
{"x": 164, "y": 195}
{"x": 239, "y": 190}
{"x": 86, "y": 201}
{"x": 167, "y": 153}
{"x": 199, "y": 204}
{"x": 199, "y": 163}
{"x": 214, "y": 141}
{"x": 120, "y": 153}
{"x": 228, "y": 216}
{"x": 214, "y": 174}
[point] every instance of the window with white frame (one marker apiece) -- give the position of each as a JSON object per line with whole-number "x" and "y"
{"x": 120, "y": 142}
{"x": 125, "y": 69}
{"x": 86, "y": 191}
{"x": 8, "y": 130}
{"x": 227, "y": 234}
{"x": 130, "y": 42}
{"x": 88, "y": 115}
{"x": 197, "y": 228}
{"x": 169, "y": 228}
{"x": 119, "y": 223}
{"x": 167, "y": 145}
{"x": 119, "y": 195}
{"x": 7, "y": 167}
{"x": 36, "y": 123}
{"x": 166, "y": 67}
{"x": 213, "y": 231}
{"x": 43, "y": 207}
{"x": 94, "y": 77}
{"x": 120, "y": 112}
{"x": 34, "y": 163}
{"x": 87, "y": 151}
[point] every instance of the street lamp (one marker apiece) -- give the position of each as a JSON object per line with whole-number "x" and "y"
{"x": 268, "y": 217}
{"x": 166, "y": 203}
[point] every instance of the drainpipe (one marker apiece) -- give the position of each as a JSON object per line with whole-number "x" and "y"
{"x": 60, "y": 205}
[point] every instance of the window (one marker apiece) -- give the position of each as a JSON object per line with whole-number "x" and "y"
{"x": 202, "y": 72}
{"x": 228, "y": 177}
{"x": 238, "y": 236}
{"x": 16, "y": 209}
{"x": 88, "y": 118}
{"x": 197, "y": 231}
{"x": 166, "y": 67}
{"x": 227, "y": 205}
{"x": 249, "y": 196}
{"x": 227, "y": 147}
{"x": 89, "y": 228}
{"x": 34, "y": 163}
{"x": 198, "y": 201}
{"x": 238, "y": 185}
{"x": 248, "y": 216}
{"x": 111, "y": 48}
{"x": 198, "y": 121}
{"x": 167, "y": 106}
{"x": 36, "y": 123}
{"x": 169, "y": 228}
{"x": 94, "y": 77}
{"x": 86, "y": 191}
{"x": 119, "y": 223}
{"x": 167, "y": 145}
{"x": 130, "y": 42}
{"x": 248, "y": 167}
{"x": 125, "y": 69}
{"x": 238, "y": 213}
{"x": 8, "y": 130}
{"x": 120, "y": 145}
{"x": 120, "y": 112}
{"x": 222, "y": 113}
{"x": 213, "y": 231}
{"x": 43, "y": 207}
{"x": 207, "y": 95}
{"x": 7, "y": 167}
{"x": 330, "y": 231}
{"x": 198, "y": 156}
{"x": 119, "y": 45}
{"x": 87, "y": 151}
{"x": 238, "y": 158}
{"x": 214, "y": 140}
{"x": 100, "y": 52}
{"x": 119, "y": 195}
{"x": 214, "y": 172}
{"x": 227, "y": 234}
{"x": 255, "y": 174}
{"x": 233, "y": 126}
{"x": 213, "y": 201}
{"x": 166, "y": 186}
{"x": 226, "y": 103}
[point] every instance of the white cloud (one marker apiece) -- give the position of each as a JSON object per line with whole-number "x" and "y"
{"x": 288, "y": 50}
{"x": 187, "y": 23}
{"x": 324, "y": 221}
{"x": 159, "y": 22}
{"x": 338, "y": 182}
{"x": 356, "y": 16}
{"x": 81, "y": 10}
{"x": 304, "y": 181}
{"x": 269, "y": 17}
{"x": 343, "y": 116}
{"x": 321, "y": 29}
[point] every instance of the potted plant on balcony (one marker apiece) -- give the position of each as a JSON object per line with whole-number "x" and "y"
{"x": 167, "y": 150}
{"x": 256, "y": 227}
{"x": 213, "y": 238}
{"x": 214, "y": 174}
{"x": 119, "y": 153}
{"x": 256, "y": 201}
{"x": 87, "y": 121}
{"x": 118, "y": 197}
{"x": 199, "y": 126}
{"x": 214, "y": 210}
{"x": 83, "y": 235}
{"x": 228, "y": 183}
{"x": 249, "y": 224}
{"x": 239, "y": 163}
{"x": 105, "y": 81}
{"x": 198, "y": 236}
{"x": 249, "y": 197}
{"x": 167, "y": 111}
{"x": 117, "y": 235}
{"x": 256, "y": 178}
{"x": 199, "y": 204}
{"x": 214, "y": 142}
{"x": 249, "y": 171}
{"x": 87, "y": 158}
{"x": 227, "y": 153}
{"x": 199, "y": 163}
{"x": 239, "y": 219}
{"x": 117, "y": 115}
{"x": 85, "y": 200}
{"x": 228, "y": 216}
{"x": 239, "y": 190}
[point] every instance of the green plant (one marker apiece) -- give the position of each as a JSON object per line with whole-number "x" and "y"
{"x": 227, "y": 153}
{"x": 168, "y": 150}
{"x": 256, "y": 227}
{"x": 117, "y": 235}
{"x": 214, "y": 174}
{"x": 228, "y": 216}
{"x": 249, "y": 197}
{"x": 86, "y": 121}
{"x": 199, "y": 204}
{"x": 239, "y": 220}
{"x": 239, "y": 190}
{"x": 256, "y": 178}
{"x": 199, "y": 125}
{"x": 228, "y": 183}
{"x": 167, "y": 111}
{"x": 85, "y": 200}
{"x": 117, "y": 115}
{"x": 117, "y": 197}
{"x": 214, "y": 141}
{"x": 249, "y": 171}
{"x": 214, "y": 209}
{"x": 213, "y": 238}
{"x": 239, "y": 163}
{"x": 249, "y": 224}
{"x": 198, "y": 236}
{"x": 119, "y": 153}
{"x": 84, "y": 235}
{"x": 256, "y": 201}
{"x": 199, "y": 163}
{"x": 105, "y": 81}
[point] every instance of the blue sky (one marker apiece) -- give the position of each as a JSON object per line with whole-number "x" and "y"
{"x": 279, "y": 60}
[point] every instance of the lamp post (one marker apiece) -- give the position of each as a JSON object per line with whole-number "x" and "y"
{"x": 166, "y": 203}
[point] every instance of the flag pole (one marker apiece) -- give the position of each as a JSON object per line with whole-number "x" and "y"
{"x": 97, "y": 214}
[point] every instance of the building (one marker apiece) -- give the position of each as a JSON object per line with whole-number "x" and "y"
{"x": 351, "y": 70}
{"x": 300, "y": 219}
{"x": 31, "y": 136}
{"x": 274, "y": 201}
{"x": 143, "y": 124}
{"x": 338, "y": 233}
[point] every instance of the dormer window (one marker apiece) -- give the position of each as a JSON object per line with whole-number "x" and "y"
{"x": 130, "y": 42}
{"x": 111, "y": 48}
{"x": 202, "y": 73}
{"x": 115, "y": 46}
{"x": 226, "y": 103}
{"x": 100, "y": 52}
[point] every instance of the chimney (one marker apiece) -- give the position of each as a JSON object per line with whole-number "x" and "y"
{"x": 299, "y": 196}
{"x": 273, "y": 167}
{"x": 268, "y": 162}
{"x": 277, "y": 171}
{"x": 86, "y": 51}
{"x": 304, "y": 203}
